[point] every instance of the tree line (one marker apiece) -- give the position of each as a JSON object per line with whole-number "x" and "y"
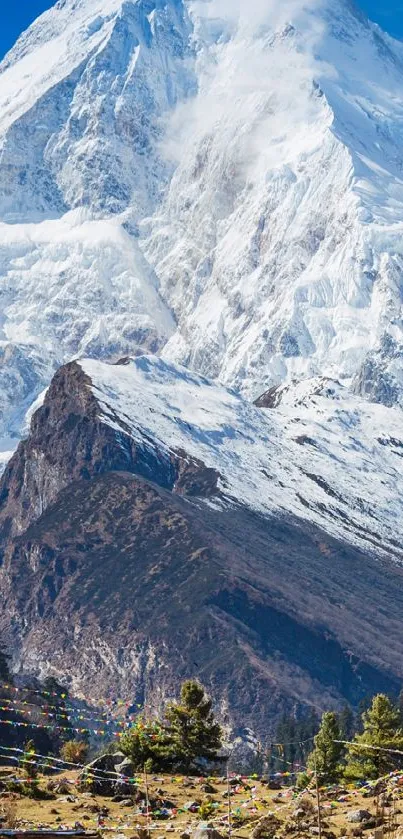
{"x": 347, "y": 746}
{"x": 372, "y": 751}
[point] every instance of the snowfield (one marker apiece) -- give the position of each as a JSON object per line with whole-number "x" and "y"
{"x": 321, "y": 454}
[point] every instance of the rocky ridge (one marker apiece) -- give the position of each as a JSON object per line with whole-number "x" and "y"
{"x": 127, "y": 562}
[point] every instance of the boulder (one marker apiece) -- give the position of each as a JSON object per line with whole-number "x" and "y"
{"x": 126, "y": 768}
{"x": 369, "y": 824}
{"x": 204, "y": 830}
{"x": 60, "y": 786}
{"x": 208, "y": 788}
{"x": 266, "y": 827}
{"x": 101, "y": 776}
{"x": 357, "y": 816}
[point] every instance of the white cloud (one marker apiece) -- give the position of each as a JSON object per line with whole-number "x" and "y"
{"x": 256, "y": 69}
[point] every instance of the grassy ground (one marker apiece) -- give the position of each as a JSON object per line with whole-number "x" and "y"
{"x": 250, "y": 800}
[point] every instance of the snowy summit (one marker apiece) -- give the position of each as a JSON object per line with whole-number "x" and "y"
{"x": 217, "y": 182}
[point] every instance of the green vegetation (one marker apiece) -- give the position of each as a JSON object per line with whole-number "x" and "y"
{"x": 192, "y": 731}
{"x": 371, "y": 753}
{"x": 296, "y": 734}
{"x": 28, "y": 763}
{"x": 206, "y": 811}
{"x": 144, "y": 744}
{"x": 74, "y": 751}
{"x": 382, "y": 727}
{"x": 188, "y": 732}
{"x": 346, "y": 746}
{"x": 327, "y": 754}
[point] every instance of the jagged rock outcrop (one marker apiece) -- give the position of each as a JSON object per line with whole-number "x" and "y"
{"x": 69, "y": 442}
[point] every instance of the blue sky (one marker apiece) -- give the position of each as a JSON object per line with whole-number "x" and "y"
{"x": 389, "y": 13}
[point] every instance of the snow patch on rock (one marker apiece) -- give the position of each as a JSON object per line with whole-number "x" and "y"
{"x": 323, "y": 454}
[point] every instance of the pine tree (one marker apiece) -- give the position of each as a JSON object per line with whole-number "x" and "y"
{"x": 28, "y": 762}
{"x": 327, "y": 754}
{"x": 381, "y": 727}
{"x": 4, "y": 665}
{"x": 192, "y": 731}
{"x": 347, "y": 723}
{"x": 286, "y": 734}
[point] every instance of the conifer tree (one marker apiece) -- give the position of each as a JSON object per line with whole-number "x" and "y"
{"x": 381, "y": 728}
{"x": 192, "y": 731}
{"x": 4, "y": 665}
{"x": 327, "y": 754}
{"x": 347, "y": 723}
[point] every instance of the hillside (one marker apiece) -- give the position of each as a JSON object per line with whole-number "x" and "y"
{"x": 129, "y": 562}
{"x": 174, "y": 807}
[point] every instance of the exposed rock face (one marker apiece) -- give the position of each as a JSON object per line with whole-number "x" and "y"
{"x": 378, "y": 378}
{"x": 127, "y": 566}
{"x": 68, "y": 442}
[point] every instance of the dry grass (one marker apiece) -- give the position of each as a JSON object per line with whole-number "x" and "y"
{"x": 9, "y": 812}
{"x": 247, "y": 806}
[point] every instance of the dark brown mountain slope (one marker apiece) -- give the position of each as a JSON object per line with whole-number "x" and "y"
{"x": 118, "y": 576}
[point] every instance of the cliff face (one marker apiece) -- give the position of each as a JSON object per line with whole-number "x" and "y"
{"x": 69, "y": 442}
{"x": 127, "y": 565}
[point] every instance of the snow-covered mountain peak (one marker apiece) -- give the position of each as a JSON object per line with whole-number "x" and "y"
{"x": 235, "y": 175}
{"x": 274, "y": 245}
{"x": 90, "y": 82}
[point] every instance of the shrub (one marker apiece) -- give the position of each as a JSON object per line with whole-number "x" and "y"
{"x": 303, "y": 780}
{"x": 74, "y": 751}
{"x": 206, "y": 810}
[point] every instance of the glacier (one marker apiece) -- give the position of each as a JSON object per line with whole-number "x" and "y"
{"x": 219, "y": 183}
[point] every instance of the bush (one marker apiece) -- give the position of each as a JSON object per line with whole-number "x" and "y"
{"x": 74, "y": 751}
{"x": 143, "y": 744}
{"x": 306, "y": 804}
{"x": 206, "y": 810}
{"x": 303, "y": 780}
{"x": 31, "y": 790}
